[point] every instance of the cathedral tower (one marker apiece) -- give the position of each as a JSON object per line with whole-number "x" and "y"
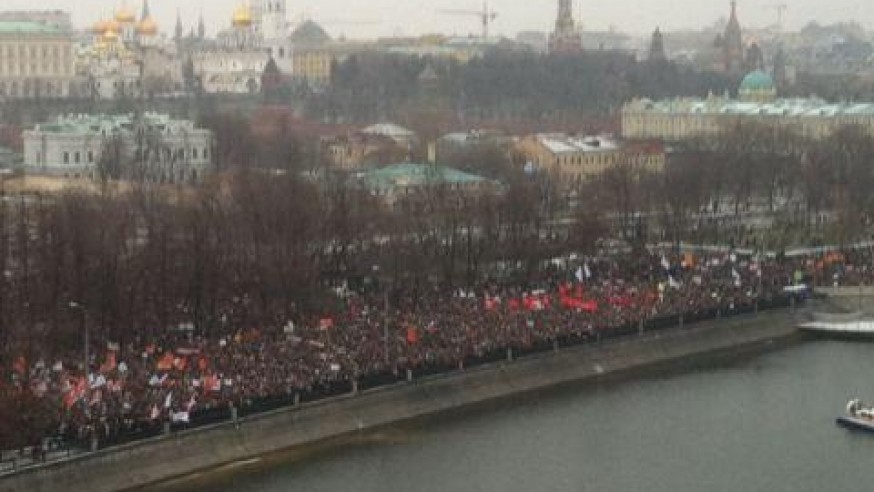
{"x": 270, "y": 18}
{"x": 566, "y": 38}
{"x": 733, "y": 47}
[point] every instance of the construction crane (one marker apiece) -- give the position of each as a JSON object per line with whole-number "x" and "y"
{"x": 486, "y": 16}
{"x": 781, "y": 12}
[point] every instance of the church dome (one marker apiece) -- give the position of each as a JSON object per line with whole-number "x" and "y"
{"x": 757, "y": 81}
{"x": 758, "y": 86}
{"x": 242, "y": 16}
{"x": 147, "y": 27}
{"x": 112, "y": 25}
{"x": 110, "y": 36}
{"x": 100, "y": 26}
{"x": 124, "y": 15}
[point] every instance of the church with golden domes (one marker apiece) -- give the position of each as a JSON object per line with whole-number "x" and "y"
{"x": 129, "y": 57}
{"x": 242, "y": 51}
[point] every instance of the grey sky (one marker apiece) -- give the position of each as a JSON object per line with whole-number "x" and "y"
{"x": 388, "y": 17}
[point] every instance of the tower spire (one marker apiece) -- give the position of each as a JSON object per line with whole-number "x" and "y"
{"x": 201, "y": 27}
{"x": 179, "y": 29}
{"x": 145, "y": 14}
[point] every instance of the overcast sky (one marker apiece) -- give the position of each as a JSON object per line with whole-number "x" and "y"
{"x": 407, "y": 17}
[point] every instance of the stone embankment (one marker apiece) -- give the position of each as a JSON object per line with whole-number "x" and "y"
{"x": 146, "y": 462}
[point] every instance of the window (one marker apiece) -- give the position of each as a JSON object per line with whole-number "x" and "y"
{"x": 205, "y": 153}
{"x": 194, "y": 153}
{"x": 66, "y": 157}
{"x": 90, "y": 156}
{"x": 76, "y": 157}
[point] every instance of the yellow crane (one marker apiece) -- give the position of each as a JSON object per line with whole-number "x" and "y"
{"x": 486, "y": 16}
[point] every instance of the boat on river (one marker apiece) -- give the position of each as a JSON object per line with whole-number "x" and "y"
{"x": 853, "y": 325}
{"x": 859, "y": 416}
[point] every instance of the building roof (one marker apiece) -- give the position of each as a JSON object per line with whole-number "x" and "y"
{"x": 757, "y": 81}
{"x": 391, "y": 130}
{"x": 566, "y": 144}
{"x": 415, "y": 175}
{"x": 799, "y": 108}
{"x": 27, "y": 27}
{"x": 310, "y": 32}
{"x": 99, "y": 123}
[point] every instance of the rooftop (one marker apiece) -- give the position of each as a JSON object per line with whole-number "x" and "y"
{"x": 97, "y": 123}
{"x": 568, "y": 144}
{"x": 412, "y": 174}
{"x": 27, "y": 27}
{"x": 807, "y": 107}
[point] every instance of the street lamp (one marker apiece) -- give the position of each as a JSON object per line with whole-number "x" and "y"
{"x": 78, "y": 307}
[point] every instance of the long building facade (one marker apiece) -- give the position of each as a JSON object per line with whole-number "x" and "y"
{"x": 36, "y": 61}
{"x": 675, "y": 120}
{"x": 148, "y": 146}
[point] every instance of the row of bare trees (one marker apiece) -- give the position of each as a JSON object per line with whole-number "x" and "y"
{"x": 713, "y": 187}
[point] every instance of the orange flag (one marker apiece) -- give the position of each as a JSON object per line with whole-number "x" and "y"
{"x": 412, "y": 335}
{"x": 165, "y": 363}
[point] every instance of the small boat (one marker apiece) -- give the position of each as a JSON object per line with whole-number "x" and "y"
{"x": 859, "y": 416}
{"x": 840, "y": 329}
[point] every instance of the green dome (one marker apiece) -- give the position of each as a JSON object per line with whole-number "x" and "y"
{"x": 757, "y": 81}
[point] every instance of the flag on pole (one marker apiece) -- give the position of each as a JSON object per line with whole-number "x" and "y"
{"x": 587, "y": 271}
{"x": 412, "y": 335}
{"x": 580, "y": 274}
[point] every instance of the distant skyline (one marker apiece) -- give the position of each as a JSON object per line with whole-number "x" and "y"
{"x": 378, "y": 18}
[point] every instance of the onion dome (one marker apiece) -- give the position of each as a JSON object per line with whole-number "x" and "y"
{"x": 242, "y": 16}
{"x": 110, "y": 36}
{"x": 112, "y": 25}
{"x": 147, "y": 27}
{"x": 125, "y": 15}
{"x": 100, "y": 26}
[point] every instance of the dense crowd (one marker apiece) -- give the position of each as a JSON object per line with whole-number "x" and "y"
{"x": 376, "y": 336}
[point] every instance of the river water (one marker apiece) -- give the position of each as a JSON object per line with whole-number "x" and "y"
{"x": 764, "y": 423}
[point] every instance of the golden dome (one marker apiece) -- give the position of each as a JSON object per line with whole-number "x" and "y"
{"x": 100, "y": 26}
{"x": 242, "y": 16}
{"x": 147, "y": 27}
{"x": 112, "y": 25}
{"x": 110, "y": 36}
{"x": 124, "y": 15}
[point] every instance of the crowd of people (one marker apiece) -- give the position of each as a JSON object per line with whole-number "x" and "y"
{"x": 374, "y": 337}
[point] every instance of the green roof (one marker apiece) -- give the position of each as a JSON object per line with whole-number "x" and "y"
{"x": 410, "y": 174}
{"x": 27, "y": 27}
{"x": 757, "y": 81}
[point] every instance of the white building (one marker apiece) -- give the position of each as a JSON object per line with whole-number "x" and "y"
{"x": 149, "y": 146}
{"x": 36, "y": 61}
{"x": 235, "y": 66}
{"x": 679, "y": 119}
{"x": 129, "y": 58}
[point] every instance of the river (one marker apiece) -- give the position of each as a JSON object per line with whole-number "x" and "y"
{"x": 760, "y": 423}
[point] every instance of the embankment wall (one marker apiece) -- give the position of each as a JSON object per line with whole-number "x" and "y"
{"x": 146, "y": 462}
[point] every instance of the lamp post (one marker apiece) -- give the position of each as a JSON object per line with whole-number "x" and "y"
{"x": 85, "y": 344}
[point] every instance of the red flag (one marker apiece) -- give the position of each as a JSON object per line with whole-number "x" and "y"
{"x": 20, "y": 365}
{"x": 326, "y": 324}
{"x": 110, "y": 363}
{"x": 412, "y": 335}
{"x": 165, "y": 363}
{"x": 589, "y": 306}
{"x": 180, "y": 363}
{"x": 76, "y": 393}
{"x": 491, "y": 303}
